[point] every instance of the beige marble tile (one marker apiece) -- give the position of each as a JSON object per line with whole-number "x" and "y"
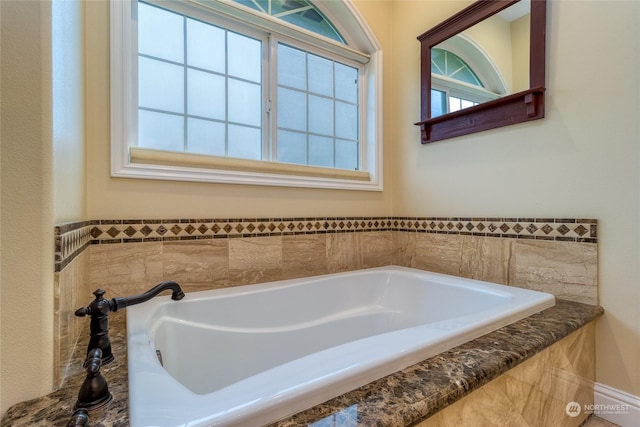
{"x": 598, "y": 422}
{"x": 534, "y": 393}
{"x": 404, "y": 248}
{"x": 126, "y": 268}
{"x": 376, "y": 248}
{"x": 565, "y": 269}
{"x": 255, "y": 260}
{"x": 61, "y": 333}
{"x": 440, "y": 253}
{"x": 304, "y": 255}
{"x": 343, "y": 252}
{"x": 71, "y": 293}
{"x": 485, "y": 258}
{"x": 197, "y": 265}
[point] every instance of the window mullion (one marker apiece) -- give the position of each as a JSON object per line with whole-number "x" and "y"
{"x": 306, "y": 84}
{"x": 186, "y": 87}
{"x": 270, "y": 103}
{"x": 334, "y": 136}
{"x": 226, "y": 92}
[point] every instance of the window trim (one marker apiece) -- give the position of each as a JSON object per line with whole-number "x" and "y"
{"x": 124, "y": 115}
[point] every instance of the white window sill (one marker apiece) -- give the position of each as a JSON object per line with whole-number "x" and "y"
{"x": 158, "y": 164}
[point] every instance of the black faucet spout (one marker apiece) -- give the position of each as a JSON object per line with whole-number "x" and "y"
{"x": 122, "y": 302}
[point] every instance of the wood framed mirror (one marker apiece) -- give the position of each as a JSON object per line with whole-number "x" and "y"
{"x": 490, "y": 102}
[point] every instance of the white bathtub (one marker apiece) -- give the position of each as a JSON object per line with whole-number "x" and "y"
{"x": 253, "y": 354}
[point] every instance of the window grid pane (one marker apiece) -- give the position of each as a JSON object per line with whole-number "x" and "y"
{"x": 323, "y": 112}
{"x": 220, "y": 114}
{"x": 211, "y": 81}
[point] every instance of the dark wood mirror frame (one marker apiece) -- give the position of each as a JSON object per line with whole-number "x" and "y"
{"x": 507, "y": 110}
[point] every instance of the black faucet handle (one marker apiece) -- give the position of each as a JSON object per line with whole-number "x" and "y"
{"x": 98, "y": 307}
{"x": 94, "y": 391}
{"x": 83, "y": 311}
{"x": 98, "y": 310}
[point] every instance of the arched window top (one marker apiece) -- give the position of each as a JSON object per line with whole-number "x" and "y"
{"x": 476, "y": 59}
{"x": 450, "y": 65}
{"x": 462, "y": 76}
{"x": 297, "y": 12}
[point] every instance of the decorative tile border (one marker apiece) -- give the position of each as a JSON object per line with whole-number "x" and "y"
{"x": 73, "y": 238}
{"x": 561, "y": 229}
{"x": 121, "y": 231}
{"x": 70, "y": 240}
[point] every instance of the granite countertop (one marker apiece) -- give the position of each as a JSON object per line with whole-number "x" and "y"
{"x": 403, "y": 398}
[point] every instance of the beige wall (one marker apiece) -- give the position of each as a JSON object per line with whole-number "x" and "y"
{"x": 580, "y": 161}
{"x": 42, "y": 179}
{"x": 26, "y": 335}
{"x": 134, "y": 198}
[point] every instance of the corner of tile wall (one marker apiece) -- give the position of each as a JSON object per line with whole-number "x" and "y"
{"x": 558, "y": 256}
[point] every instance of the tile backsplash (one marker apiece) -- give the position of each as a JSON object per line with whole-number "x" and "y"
{"x": 125, "y": 257}
{"x": 72, "y": 238}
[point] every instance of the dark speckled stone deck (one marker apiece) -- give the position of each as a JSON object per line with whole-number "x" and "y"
{"x": 400, "y": 399}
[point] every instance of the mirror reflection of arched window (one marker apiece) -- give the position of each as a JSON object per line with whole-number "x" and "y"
{"x": 462, "y": 76}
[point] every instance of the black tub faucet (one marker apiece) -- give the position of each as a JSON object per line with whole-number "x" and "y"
{"x": 99, "y": 311}
{"x": 122, "y": 302}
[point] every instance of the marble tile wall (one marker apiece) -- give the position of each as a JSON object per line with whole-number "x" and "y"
{"x": 534, "y": 393}
{"x": 123, "y": 269}
{"x": 71, "y": 292}
{"x": 568, "y": 270}
{"x": 557, "y": 256}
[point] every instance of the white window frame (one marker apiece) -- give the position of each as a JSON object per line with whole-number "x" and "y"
{"x": 161, "y": 165}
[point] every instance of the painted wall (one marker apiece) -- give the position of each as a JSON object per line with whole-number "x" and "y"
{"x": 134, "y": 198}
{"x": 26, "y": 334}
{"x": 42, "y": 179}
{"x": 582, "y": 160}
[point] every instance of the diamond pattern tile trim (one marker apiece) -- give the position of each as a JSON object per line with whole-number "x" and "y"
{"x": 72, "y": 238}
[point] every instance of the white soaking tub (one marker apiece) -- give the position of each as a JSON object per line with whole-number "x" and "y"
{"x": 250, "y": 355}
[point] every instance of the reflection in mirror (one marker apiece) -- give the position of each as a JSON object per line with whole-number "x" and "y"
{"x": 482, "y": 63}
{"x": 483, "y": 68}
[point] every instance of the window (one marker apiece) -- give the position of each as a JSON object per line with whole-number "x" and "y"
{"x": 455, "y": 85}
{"x": 238, "y": 93}
{"x": 317, "y": 110}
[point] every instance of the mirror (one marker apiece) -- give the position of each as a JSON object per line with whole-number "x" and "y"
{"x": 486, "y": 61}
{"x": 483, "y": 68}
